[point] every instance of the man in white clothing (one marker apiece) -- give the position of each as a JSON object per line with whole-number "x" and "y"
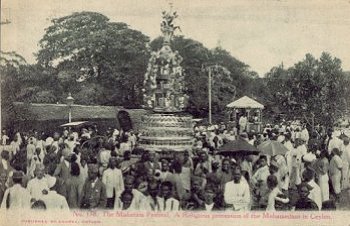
{"x": 315, "y": 194}
{"x": 139, "y": 201}
{"x": 37, "y": 185}
{"x": 304, "y": 134}
{"x": 4, "y": 137}
{"x": 113, "y": 179}
{"x": 289, "y": 154}
{"x": 53, "y": 200}
{"x": 167, "y": 202}
{"x": 345, "y": 156}
{"x": 237, "y": 192}
{"x": 242, "y": 123}
{"x": 259, "y": 183}
{"x": 334, "y": 142}
{"x": 16, "y": 197}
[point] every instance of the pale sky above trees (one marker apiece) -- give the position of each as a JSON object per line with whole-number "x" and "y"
{"x": 261, "y": 33}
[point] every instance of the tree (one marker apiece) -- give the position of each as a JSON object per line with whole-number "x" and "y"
{"x": 312, "y": 88}
{"x": 87, "y": 48}
{"x": 14, "y": 87}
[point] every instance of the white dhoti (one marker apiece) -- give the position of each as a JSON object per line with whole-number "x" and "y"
{"x": 345, "y": 177}
{"x": 324, "y": 186}
{"x": 336, "y": 179}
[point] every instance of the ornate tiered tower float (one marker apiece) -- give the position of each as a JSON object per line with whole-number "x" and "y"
{"x": 167, "y": 127}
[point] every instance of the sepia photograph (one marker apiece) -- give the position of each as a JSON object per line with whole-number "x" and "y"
{"x": 171, "y": 112}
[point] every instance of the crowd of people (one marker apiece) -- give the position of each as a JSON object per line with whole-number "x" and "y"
{"x": 86, "y": 170}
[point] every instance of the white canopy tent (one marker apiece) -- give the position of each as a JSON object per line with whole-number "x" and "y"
{"x": 252, "y": 108}
{"x": 245, "y": 102}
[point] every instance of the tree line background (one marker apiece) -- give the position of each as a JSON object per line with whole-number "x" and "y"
{"x": 103, "y": 63}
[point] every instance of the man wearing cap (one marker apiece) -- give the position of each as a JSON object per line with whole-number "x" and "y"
{"x": 52, "y": 199}
{"x": 38, "y": 184}
{"x": 94, "y": 191}
{"x": 16, "y": 196}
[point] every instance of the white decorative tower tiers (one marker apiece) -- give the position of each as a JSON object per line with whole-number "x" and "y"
{"x": 167, "y": 128}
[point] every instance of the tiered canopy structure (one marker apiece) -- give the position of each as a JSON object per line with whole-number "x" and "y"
{"x": 164, "y": 80}
{"x": 167, "y": 128}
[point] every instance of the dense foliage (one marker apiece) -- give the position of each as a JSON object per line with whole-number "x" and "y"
{"x": 102, "y": 62}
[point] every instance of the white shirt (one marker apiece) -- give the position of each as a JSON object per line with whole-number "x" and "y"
{"x": 4, "y": 139}
{"x": 251, "y": 141}
{"x": 34, "y": 161}
{"x": 261, "y": 175}
{"x": 315, "y": 194}
{"x": 113, "y": 179}
{"x": 243, "y": 121}
{"x": 139, "y": 202}
{"x": 4, "y": 164}
{"x": 71, "y": 145}
{"x": 124, "y": 147}
{"x": 288, "y": 145}
{"x": 55, "y": 201}
{"x": 36, "y": 186}
{"x": 237, "y": 194}
{"x": 335, "y": 142}
{"x": 272, "y": 197}
{"x": 170, "y": 204}
{"x": 304, "y": 135}
{"x": 132, "y": 140}
{"x": 209, "y": 207}
{"x": 19, "y": 197}
{"x": 14, "y": 147}
{"x": 300, "y": 151}
{"x": 30, "y": 150}
{"x": 346, "y": 151}
{"x": 289, "y": 155}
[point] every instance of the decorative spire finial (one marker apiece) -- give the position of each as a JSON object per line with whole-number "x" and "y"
{"x": 167, "y": 26}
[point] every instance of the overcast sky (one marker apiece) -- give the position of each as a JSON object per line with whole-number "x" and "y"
{"x": 260, "y": 33}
